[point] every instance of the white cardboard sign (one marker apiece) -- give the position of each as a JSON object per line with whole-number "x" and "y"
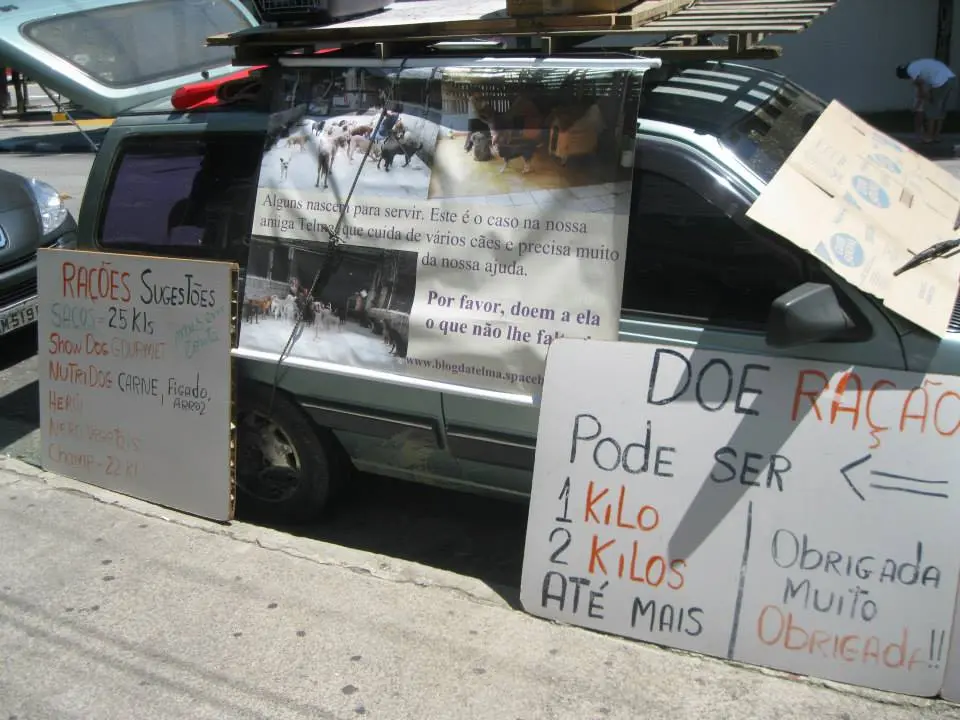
{"x": 951, "y": 680}
{"x": 863, "y": 203}
{"x": 136, "y": 389}
{"x": 786, "y": 513}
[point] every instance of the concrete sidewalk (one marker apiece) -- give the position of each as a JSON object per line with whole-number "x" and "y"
{"x": 113, "y": 608}
{"x": 948, "y": 147}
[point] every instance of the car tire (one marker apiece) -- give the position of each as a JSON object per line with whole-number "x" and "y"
{"x": 285, "y": 463}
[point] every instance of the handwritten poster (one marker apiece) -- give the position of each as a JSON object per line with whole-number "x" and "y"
{"x": 791, "y": 514}
{"x": 488, "y": 217}
{"x": 951, "y": 681}
{"x": 863, "y": 203}
{"x": 136, "y": 389}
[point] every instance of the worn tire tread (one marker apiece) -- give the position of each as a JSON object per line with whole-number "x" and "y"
{"x": 315, "y": 446}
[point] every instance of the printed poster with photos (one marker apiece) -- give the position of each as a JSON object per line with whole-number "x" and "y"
{"x": 489, "y": 217}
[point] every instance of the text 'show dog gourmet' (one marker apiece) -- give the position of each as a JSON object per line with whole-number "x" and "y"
{"x": 481, "y": 215}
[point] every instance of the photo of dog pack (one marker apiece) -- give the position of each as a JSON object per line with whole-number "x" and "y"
{"x": 325, "y": 146}
{"x": 360, "y": 317}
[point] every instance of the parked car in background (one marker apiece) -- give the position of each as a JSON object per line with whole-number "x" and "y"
{"x": 32, "y": 216}
{"x": 109, "y": 55}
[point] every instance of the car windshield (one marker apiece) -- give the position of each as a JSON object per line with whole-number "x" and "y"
{"x": 780, "y": 116}
{"x": 119, "y": 45}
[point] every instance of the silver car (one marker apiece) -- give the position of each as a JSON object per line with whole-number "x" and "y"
{"x": 32, "y": 215}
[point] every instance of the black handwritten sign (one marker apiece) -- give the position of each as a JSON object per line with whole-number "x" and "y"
{"x": 135, "y": 376}
{"x": 785, "y": 513}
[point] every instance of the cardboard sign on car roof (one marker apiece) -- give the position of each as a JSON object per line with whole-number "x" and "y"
{"x": 863, "y": 203}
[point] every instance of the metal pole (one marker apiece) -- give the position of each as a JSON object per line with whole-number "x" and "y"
{"x": 944, "y": 30}
{"x": 96, "y": 148}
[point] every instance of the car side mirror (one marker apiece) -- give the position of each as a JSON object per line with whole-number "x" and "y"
{"x": 809, "y": 313}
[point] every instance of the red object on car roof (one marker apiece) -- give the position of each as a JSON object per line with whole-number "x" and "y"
{"x": 204, "y": 94}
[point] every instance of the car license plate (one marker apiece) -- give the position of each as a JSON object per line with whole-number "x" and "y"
{"x": 18, "y": 316}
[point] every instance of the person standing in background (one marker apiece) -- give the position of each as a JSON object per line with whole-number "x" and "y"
{"x": 919, "y": 119}
{"x": 935, "y": 84}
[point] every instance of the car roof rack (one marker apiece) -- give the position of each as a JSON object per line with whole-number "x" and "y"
{"x": 428, "y": 27}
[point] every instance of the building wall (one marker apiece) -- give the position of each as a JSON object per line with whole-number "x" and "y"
{"x": 850, "y": 53}
{"x": 261, "y": 287}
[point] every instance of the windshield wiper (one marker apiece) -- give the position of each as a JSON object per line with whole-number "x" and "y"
{"x": 936, "y": 250}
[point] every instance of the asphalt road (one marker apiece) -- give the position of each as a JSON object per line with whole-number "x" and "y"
{"x": 478, "y": 537}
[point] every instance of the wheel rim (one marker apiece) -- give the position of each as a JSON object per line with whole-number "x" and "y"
{"x": 268, "y": 467}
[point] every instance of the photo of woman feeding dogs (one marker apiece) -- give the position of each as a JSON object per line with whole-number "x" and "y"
{"x": 537, "y": 136}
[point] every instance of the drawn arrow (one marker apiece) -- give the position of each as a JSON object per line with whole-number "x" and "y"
{"x": 893, "y": 482}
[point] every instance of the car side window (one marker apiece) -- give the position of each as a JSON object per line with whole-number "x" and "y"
{"x": 686, "y": 257}
{"x": 183, "y": 196}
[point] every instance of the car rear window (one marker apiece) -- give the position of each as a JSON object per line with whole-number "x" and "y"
{"x": 780, "y": 117}
{"x": 761, "y": 116}
{"x": 183, "y": 197}
{"x": 138, "y": 43}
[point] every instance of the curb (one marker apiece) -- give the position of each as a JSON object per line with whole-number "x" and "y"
{"x": 380, "y": 567}
{"x": 26, "y": 146}
{"x": 30, "y": 115}
{"x": 46, "y": 114}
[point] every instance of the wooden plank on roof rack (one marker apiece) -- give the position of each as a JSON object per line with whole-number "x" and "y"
{"x": 708, "y": 52}
{"x": 743, "y": 15}
{"x": 702, "y": 8}
{"x": 766, "y": 3}
{"x": 732, "y": 27}
{"x": 741, "y": 18}
{"x": 814, "y": 6}
{"x": 705, "y": 8}
{"x": 695, "y": 12}
{"x": 442, "y": 20}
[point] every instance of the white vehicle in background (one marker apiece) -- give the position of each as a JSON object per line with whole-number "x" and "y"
{"x": 108, "y": 56}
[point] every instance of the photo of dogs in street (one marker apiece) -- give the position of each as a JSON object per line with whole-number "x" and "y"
{"x": 361, "y": 317}
{"x": 555, "y": 138}
{"x": 326, "y": 154}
